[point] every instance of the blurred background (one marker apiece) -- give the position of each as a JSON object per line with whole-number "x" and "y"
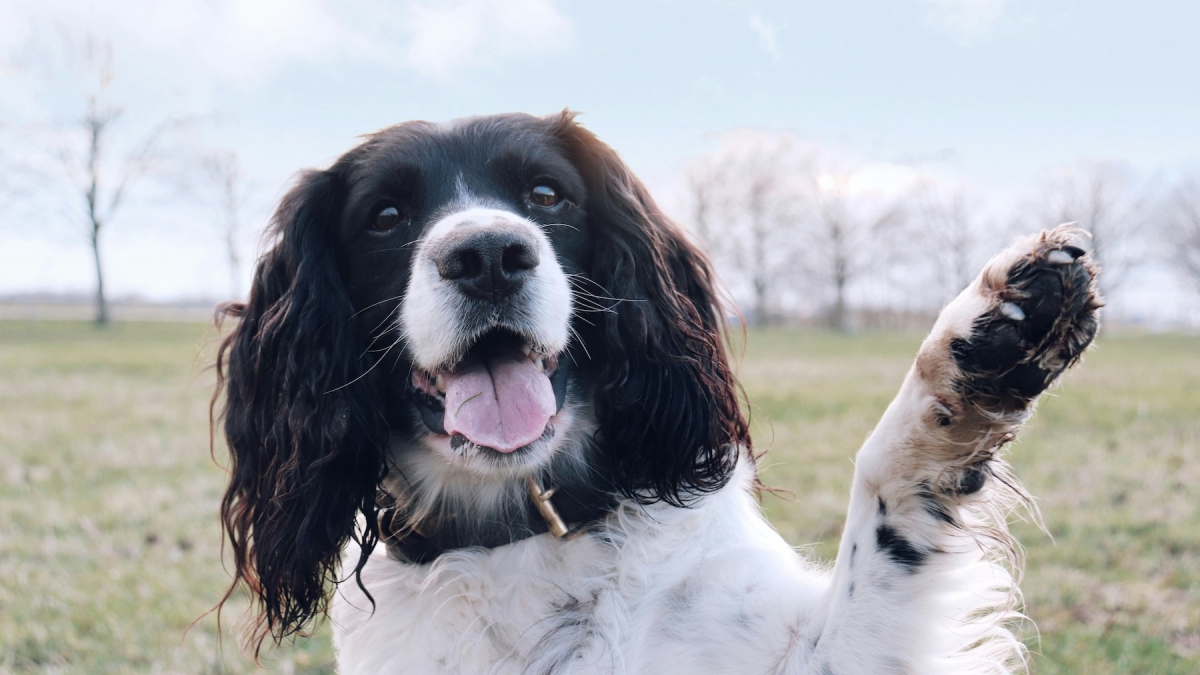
{"x": 850, "y": 166}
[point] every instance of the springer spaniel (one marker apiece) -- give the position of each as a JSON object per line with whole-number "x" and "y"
{"x": 480, "y": 411}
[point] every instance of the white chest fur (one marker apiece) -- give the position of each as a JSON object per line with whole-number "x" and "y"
{"x": 712, "y": 589}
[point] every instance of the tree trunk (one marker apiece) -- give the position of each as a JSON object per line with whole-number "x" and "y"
{"x": 762, "y": 315}
{"x": 102, "y": 318}
{"x": 840, "y": 317}
{"x": 762, "y": 311}
{"x": 96, "y": 124}
{"x": 235, "y": 265}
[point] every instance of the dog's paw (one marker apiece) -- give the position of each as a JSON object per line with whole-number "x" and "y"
{"x": 1039, "y": 312}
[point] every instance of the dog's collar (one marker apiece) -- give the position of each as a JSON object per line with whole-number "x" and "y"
{"x": 562, "y": 512}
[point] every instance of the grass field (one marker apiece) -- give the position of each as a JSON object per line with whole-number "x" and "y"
{"x": 109, "y": 546}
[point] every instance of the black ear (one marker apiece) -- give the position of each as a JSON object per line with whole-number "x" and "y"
{"x": 304, "y": 430}
{"x": 667, "y": 402}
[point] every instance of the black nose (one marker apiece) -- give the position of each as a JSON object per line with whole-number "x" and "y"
{"x": 490, "y": 263}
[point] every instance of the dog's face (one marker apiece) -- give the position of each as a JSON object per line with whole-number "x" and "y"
{"x": 446, "y": 310}
{"x": 462, "y": 248}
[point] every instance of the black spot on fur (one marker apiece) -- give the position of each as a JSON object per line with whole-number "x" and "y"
{"x": 573, "y": 613}
{"x": 568, "y": 636}
{"x": 882, "y": 507}
{"x": 938, "y": 510}
{"x": 850, "y": 591}
{"x": 934, "y": 505}
{"x": 973, "y": 479}
{"x": 900, "y": 550}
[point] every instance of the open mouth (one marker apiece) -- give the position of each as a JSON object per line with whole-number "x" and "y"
{"x": 501, "y": 395}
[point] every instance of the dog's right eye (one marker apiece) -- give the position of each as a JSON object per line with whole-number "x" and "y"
{"x": 386, "y": 220}
{"x": 543, "y": 196}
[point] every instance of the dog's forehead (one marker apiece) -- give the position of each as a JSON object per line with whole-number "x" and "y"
{"x": 462, "y": 152}
{"x": 463, "y": 143}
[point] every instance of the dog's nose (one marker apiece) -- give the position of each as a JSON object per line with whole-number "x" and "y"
{"x": 489, "y": 263}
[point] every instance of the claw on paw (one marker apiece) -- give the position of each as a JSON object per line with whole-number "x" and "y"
{"x": 1060, "y": 257}
{"x": 1013, "y": 311}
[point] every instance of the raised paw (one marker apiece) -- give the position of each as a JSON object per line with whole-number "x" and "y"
{"x": 1035, "y": 309}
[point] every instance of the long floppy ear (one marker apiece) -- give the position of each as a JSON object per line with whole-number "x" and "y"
{"x": 305, "y": 434}
{"x": 667, "y": 401}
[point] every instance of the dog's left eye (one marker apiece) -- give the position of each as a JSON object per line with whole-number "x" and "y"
{"x": 543, "y": 196}
{"x": 386, "y": 220}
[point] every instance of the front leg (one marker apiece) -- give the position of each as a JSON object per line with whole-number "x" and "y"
{"x": 924, "y": 580}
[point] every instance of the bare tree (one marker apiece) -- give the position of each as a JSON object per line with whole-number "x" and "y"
{"x": 1182, "y": 232}
{"x": 742, "y": 203}
{"x": 705, "y": 182}
{"x": 766, "y": 202}
{"x": 11, "y": 172}
{"x": 772, "y": 219}
{"x": 218, "y": 181}
{"x": 950, "y": 233}
{"x": 846, "y": 234}
{"x": 86, "y": 155}
{"x": 1097, "y": 197}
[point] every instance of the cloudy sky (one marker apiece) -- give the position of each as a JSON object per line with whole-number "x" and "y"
{"x": 994, "y": 92}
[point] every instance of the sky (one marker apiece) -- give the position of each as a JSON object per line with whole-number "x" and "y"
{"x": 995, "y": 93}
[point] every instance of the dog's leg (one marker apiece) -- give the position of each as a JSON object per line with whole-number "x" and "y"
{"x": 922, "y": 582}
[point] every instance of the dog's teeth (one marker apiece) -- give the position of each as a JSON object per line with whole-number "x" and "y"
{"x": 537, "y": 358}
{"x": 1060, "y": 258}
{"x": 1013, "y": 311}
{"x": 440, "y": 383}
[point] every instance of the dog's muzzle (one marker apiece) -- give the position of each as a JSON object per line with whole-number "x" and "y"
{"x": 486, "y": 318}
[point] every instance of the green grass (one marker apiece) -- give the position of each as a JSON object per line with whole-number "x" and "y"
{"x": 109, "y": 546}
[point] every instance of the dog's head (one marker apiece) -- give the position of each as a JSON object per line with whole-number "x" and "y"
{"x": 445, "y": 310}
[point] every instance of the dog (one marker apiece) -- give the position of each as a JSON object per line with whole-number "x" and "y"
{"x": 480, "y": 413}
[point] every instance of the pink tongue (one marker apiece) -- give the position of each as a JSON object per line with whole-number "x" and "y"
{"x": 502, "y": 401}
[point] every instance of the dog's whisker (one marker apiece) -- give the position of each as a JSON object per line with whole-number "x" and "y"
{"x": 379, "y": 330}
{"x": 392, "y": 250}
{"x": 580, "y": 342}
{"x": 368, "y": 370}
{"x": 376, "y": 304}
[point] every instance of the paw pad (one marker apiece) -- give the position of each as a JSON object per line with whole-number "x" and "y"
{"x": 1042, "y": 318}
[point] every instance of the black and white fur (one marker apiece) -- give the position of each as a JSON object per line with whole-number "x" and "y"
{"x": 330, "y": 417}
